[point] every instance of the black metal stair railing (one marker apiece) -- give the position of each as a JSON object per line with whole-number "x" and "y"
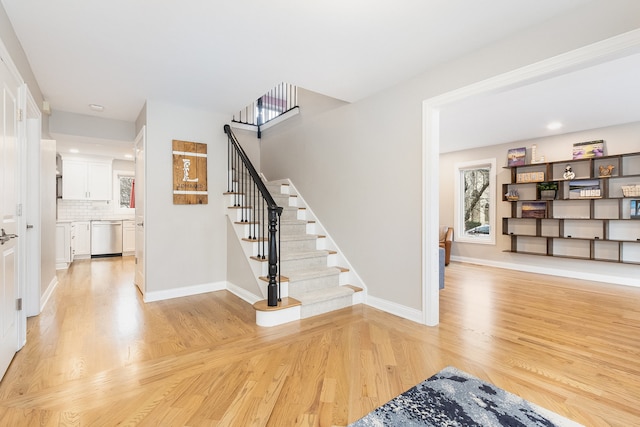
{"x": 253, "y": 199}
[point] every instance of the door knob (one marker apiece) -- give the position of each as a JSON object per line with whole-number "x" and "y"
{"x": 4, "y": 237}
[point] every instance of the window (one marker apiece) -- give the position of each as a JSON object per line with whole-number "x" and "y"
{"x": 475, "y": 201}
{"x": 122, "y": 186}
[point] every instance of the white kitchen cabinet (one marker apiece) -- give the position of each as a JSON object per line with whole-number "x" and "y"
{"x": 128, "y": 237}
{"x": 63, "y": 245}
{"x": 81, "y": 239}
{"x": 84, "y": 179}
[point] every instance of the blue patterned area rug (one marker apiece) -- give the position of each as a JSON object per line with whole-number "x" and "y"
{"x": 456, "y": 399}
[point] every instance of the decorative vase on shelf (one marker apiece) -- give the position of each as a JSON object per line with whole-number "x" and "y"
{"x": 606, "y": 171}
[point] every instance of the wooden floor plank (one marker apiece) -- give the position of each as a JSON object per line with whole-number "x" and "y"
{"x": 98, "y": 355}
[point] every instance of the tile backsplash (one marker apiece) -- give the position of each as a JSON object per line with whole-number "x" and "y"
{"x": 78, "y": 210}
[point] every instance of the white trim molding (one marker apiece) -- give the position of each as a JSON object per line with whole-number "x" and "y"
{"x": 551, "y": 271}
{"x": 184, "y": 291}
{"x": 395, "y": 309}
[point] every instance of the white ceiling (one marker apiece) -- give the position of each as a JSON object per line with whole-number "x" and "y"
{"x": 220, "y": 56}
{"x": 602, "y": 95}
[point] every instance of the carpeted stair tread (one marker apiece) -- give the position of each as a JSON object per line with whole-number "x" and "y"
{"x": 313, "y": 273}
{"x": 303, "y": 255}
{"x": 321, "y": 295}
{"x": 296, "y": 237}
{"x": 293, "y": 221}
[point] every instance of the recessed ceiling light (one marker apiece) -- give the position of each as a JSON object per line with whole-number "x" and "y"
{"x": 74, "y": 150}
{"x": 97, "y": 107}
{"x": 554, "y": 125}
{"x": 128, "y": 156}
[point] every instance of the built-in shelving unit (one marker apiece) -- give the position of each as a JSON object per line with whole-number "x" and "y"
{"x": 587, "y": 217}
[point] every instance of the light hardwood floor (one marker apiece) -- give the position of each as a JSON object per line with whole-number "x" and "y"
{"x": 98, "y": 356}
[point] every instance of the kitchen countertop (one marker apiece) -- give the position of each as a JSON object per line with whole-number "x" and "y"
{"x": 94, "y": 219}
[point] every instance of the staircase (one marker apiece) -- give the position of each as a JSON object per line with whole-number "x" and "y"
{"x": 313, "y": 277}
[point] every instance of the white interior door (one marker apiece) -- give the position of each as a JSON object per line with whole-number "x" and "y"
{"x": 139, "y": 185}
{"x": 9, "y": 159}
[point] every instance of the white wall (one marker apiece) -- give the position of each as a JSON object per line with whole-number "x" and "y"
{"x": 62, "y": 122}
{"x": 186, "y": 244}
{"x": 250, "y": 144}
{"x": 9, "y": 39}
{"x": 47, "y": 215}
{"x": 359, "y": 166}
{"x": 239, "y": 272}
{"x": 618, "y": 139}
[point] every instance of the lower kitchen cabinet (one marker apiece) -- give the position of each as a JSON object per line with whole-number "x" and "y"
{"x": 128, "y": 237}
{"x": 81, "y": 239}
{"x": 63, "y": 245}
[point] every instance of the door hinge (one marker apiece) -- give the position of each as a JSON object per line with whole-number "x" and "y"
{"x": 19, "y": 209}
{"x": 19, "y": 304}
{"x": 19, "y": 112}
{"x": 135, "y": 260}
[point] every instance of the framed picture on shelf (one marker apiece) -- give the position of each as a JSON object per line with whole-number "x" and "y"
{"x": 516, "y": 156}
{"x": 634, "y": 209}
{"x": 534, "y": 209}
{"x": 589, "y": 149}
{"x": 585, "y": 189}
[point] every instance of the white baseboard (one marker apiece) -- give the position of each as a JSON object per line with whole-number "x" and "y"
{"x": 243, "y": 294}
{"x": 395, "y": 309}
{"x": 44, "y": 299}
{"x": 572, "y": 274}
{"x": 183, "y": 292}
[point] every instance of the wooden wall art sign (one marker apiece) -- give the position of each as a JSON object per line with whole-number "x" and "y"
{"x": 189, "y": 173}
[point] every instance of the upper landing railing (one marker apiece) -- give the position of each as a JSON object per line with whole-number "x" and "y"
{"x": 269, "y": 106}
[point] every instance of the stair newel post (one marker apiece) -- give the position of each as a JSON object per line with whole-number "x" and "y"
{"x": 272, "y": 290}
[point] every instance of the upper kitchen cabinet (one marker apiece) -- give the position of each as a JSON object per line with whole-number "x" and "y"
{"x": 86, "y": 179}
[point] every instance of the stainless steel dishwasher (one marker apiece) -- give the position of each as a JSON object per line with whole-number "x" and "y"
{"x": 106, "y": 238}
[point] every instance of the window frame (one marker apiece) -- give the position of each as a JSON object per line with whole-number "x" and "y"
{"x": 116, "y": 192}
{"x": 459, "y": 169}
